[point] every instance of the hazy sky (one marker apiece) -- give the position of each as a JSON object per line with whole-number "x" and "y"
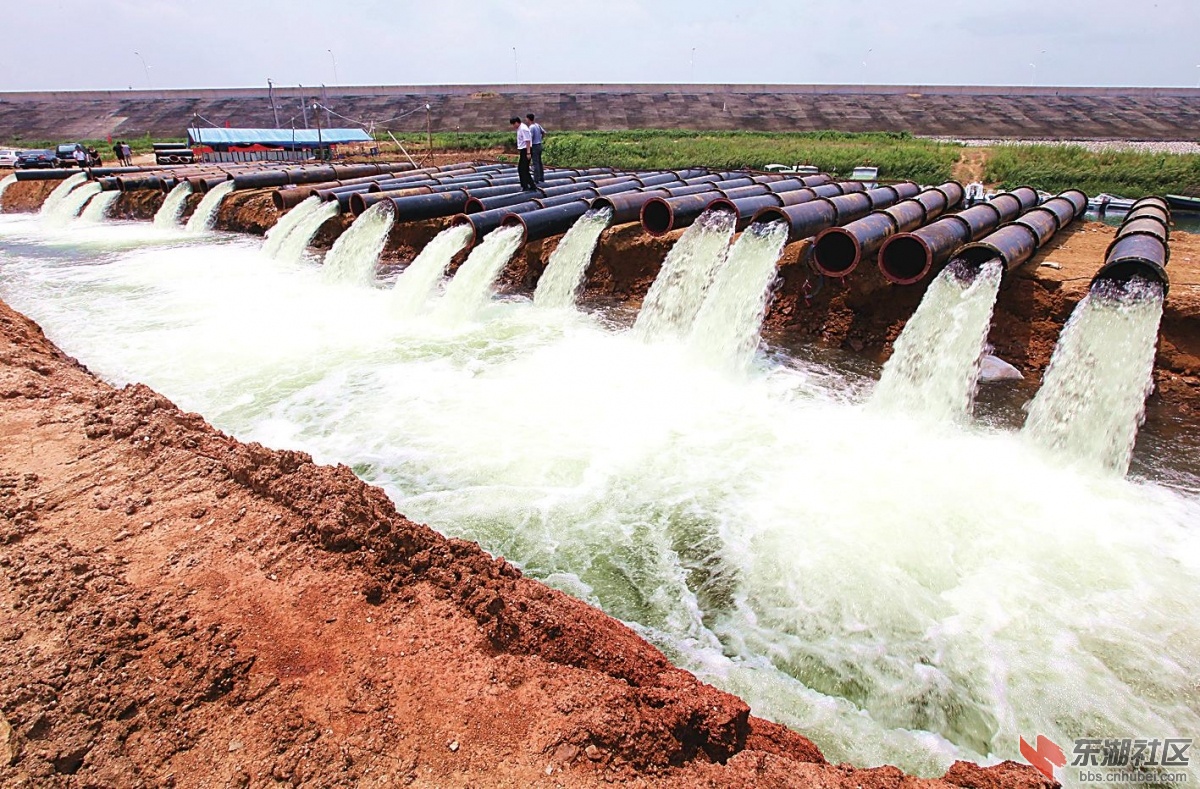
{"x": 235, "y": 43}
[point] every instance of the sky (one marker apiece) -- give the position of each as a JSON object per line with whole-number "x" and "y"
{"x": 121, "y": 44}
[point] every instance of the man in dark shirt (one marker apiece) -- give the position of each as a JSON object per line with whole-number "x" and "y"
{"x": 538, "y": 134}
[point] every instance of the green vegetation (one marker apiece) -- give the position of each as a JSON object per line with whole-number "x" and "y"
{"x": 896, "y": 155}
{"x": 1128, "y": 174}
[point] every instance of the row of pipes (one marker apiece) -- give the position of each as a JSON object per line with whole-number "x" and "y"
{"x": 912, "y": 232}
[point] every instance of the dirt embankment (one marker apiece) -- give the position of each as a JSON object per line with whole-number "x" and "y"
{"x": 26, "y": 197}
{"x": 181, "y": 609}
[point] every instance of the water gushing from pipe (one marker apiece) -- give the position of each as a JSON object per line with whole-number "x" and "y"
{"x": 678, "y": 291}
{"x": 471, "y": 287}
{"x": 1093, "y": 395}
{"x": 167, "y": 216}
{"x": 68, "y": 208}
{"x": 564, "y": 274}
{"x": 726, "y": 330}
{"x": 60, "y": 193}
{"x": 279, "y": 232}
{"x": 291, "y": 247}
{"x": 97, "y": 208}
{"x": 354, "y": 255}
{"x": 934, "y": 367}
{"x": 202, "y": 219}
{"x": 415, "y": 284}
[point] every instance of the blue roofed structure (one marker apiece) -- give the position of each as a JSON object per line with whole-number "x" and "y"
{"x": 278, "y": 138}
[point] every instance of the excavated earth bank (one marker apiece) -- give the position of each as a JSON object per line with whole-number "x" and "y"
{"x": 182, "y": 609}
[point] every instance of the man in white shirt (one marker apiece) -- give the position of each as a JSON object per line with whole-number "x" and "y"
{"x": 538, "y": 134}
{"x": 80, "y": 157}
{"x": 524, "y": 148}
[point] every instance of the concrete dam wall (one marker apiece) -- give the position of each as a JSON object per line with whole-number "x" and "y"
{"x": 1008, "y": 112}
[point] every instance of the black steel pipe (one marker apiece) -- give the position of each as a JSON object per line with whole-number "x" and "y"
{"x": 417, "y": 207}
{"x": 906, "y": 258}
{"x": 838, "y": 251}
{"x": 1019, "y": 240}
{"x": 546, "y": 222}
{"x": 1138, "y": 253}
{"x": 44, "y": 175}
{"x": 484, "y": 222}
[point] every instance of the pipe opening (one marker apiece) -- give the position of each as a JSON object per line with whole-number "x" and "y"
{"x": 906, "y": 260}
{"x": 515, "y": 220}
{"x": 1130, "y": 269}
{"x": 657, "y": 217}
{"x": 977, "y": 257}
{"x": 836, "y": 253}
{"x": 461, "y": 220}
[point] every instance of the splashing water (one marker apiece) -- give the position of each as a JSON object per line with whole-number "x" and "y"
{"x": 899, "y": 594}
{"x": 291, "y": 247}
{"x": 414, "y": 286}
{"x": 55, "y": 198}
{"x": 356, "y": 252}
{"x": 935, "y": 361}
{"x": 167, "y": 216}
{"x": 69, "y": 207}
{"x": 678, "y": 291}
{"x": 279, "y": 233}
{"x": 1093, "y": 395}
{"x": 471, "y": 287}
{"x": 202, "y": 219}
{"x": 97, "y": 208}
{"x": 564, "y": 274}
{"x": 727, "y": 327}
{"x": 6, "y": 182}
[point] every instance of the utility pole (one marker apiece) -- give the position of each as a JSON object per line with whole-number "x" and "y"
{"x": 325, "y": 102}
{"x": 304, "y": 109}
{"x": 429, "y": 128}
{"x": 320, "y": 143}
{"x": 271, "y": 94}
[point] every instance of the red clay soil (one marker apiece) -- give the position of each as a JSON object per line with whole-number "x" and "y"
{"x": 25, "y": 197}
{"x": 182, "y": 609}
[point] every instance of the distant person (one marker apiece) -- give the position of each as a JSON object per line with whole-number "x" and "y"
{"x": 1102, "y": 207}
{"x": 538, "y": 134}
{"x": 93, "y": 157}
{"x": 80, "y": 156}
{"x": 524, "y": 148}
{"x": 117, "y": 153}
{"x": 127, "y": 154}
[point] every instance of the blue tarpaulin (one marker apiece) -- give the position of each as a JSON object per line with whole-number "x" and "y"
{"x": 276, "y": 137}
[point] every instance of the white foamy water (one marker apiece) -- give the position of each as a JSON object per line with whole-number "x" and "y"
{"x": 564, "y": 274}
{"x": 6, "y": 182}
{"x": 167, "y": 215}
{"x": 935, "y": 362}
{"x": 277, "y": 234}
{"x": 415, "y": 285}
{"x": 292, "y": 246}
{"x": 471, "y": 287}
{"x": 55, "y": 198}
{"x": 1093, "y": 395}
{"x": 205, "y": 215}
{"x": 678, "y": 291}
{"x": 899, "y": 594}
{"x": 97, "y": 208}
{"x": 726, "y": 331}
{"x": 354, "y": 255}
{"x": 69, "y": 207}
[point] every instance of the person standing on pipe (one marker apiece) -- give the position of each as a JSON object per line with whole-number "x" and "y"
{"x": 539, "y": 134}
{"x": 525, "y": 149}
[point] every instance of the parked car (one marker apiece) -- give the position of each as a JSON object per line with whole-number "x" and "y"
{"x": 8, "y": 157}
{"x": 35, "y": 159}
{"x": 66, "y": 155}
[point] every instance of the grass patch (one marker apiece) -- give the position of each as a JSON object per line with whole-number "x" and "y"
{"x": 898, "y": 156}
{"x": 1125, "y": 173}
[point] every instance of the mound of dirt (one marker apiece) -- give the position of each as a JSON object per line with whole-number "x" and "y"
{"x": 182, "y": 609}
